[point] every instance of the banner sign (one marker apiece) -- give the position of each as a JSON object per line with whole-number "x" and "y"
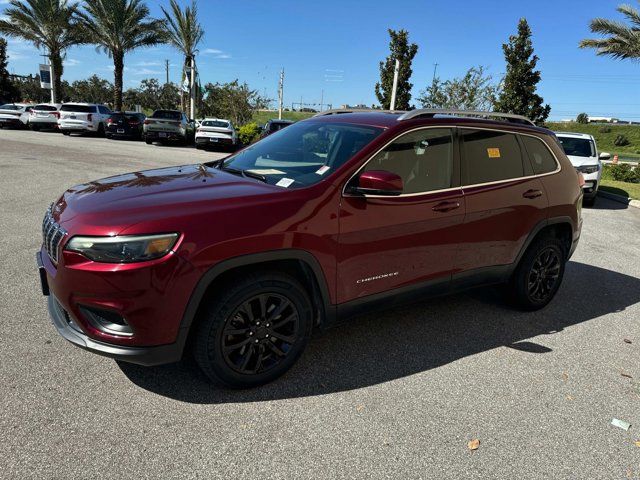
{"x": 45, "y": 76}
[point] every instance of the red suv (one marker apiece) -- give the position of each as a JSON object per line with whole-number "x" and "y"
{"x": 238, "y": 260}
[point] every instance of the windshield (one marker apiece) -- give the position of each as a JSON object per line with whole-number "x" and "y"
{"x": 578, "y": 147}
{"x": 303, "y": 153}
{"x": 215, "y": 123}
{"x": 167, "y": 115}
{"x": 78, "y": 108}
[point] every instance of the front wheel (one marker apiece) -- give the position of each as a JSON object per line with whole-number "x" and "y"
{"x": 539, "y": 274}
{"x": 254, "y": 331}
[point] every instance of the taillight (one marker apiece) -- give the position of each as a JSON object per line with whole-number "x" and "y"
{"x": 580, "y": 180}
{"x": 147, "y": 122}
{"x": 56, "y": 114}
{"x": 109, "y": 121}
{"x": 90, "y": 117}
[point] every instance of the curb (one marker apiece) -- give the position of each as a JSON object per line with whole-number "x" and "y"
{"x": 620, "y": 198}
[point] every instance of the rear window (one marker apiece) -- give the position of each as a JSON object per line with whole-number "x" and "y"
{"x": 138, "y": 117}
{"x": 167, "y": 115}
{"x": 215, "y": 123}
{"x": 274, "y": 127}
{"x": 78, "y": 108}
{"x": 490, "y": 156}
{"x": 45, "y": 108}
{"x": 540, "y": 156}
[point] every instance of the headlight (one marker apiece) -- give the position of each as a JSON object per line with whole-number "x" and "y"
{"x": 123, "y": 249}
{"x": 588, "y": 168}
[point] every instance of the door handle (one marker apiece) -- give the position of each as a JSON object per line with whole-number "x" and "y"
{"x": 446, "y": 206}
{"x": 532, "y": 194}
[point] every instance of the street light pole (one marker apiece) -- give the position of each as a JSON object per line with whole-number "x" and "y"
{"x": 396, "y": 72}
{"x": 53, "y": 81}
{"x": 280, "y": 94}
{"x": 192, "y": 89}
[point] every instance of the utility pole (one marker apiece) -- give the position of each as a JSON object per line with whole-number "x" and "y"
{"x": 280, "y": 94}
{"x": 166, "y": 67}
{"x": 396, "y": 72}
{"x": 321, "y": 99}
{"x": 435, "y": 69}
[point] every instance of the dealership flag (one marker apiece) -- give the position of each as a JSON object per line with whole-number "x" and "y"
{"x": 45, "y": 76}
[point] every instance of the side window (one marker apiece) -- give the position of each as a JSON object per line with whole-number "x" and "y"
{"x": 103, "y": 110}
{"x": 541, "y": 158}
{"x": 423, "y": 159}
{"x": 490, "y": 156}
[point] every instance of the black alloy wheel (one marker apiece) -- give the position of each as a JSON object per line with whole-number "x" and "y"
{"x": 544, "y": 274}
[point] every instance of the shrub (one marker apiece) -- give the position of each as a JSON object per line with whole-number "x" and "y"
{"x": 622, "y": 172}
{"x": 249, "y": 133}
{"x": 621, "y": 141}
{"x": 604, "y": 129}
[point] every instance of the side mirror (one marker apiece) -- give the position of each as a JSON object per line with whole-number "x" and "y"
{"x": 605, "y": 156}
{"x": 379, "y": 182}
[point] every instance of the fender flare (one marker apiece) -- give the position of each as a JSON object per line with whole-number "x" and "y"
{"x": 321, "y": 296}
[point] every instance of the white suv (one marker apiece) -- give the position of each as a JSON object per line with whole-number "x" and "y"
{"x": 83, "y": 118}
{"x": 582, "y": 150}
{"x": 44, "y": 116}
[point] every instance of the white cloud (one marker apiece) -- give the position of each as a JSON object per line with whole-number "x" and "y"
{"x": 223, "y": 55}
{"x": 146, "y": 71}
{"x": 71, "y": 62}
{"x": 211, "y": 51}
{"x": 148, "y": 64}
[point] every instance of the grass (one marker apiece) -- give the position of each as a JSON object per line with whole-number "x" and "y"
{"x": 261, "y": 117}
{"x": 605, "y": 139}
{"x": 624, "y": 189}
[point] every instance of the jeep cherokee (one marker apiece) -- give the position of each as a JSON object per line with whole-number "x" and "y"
{"x": 238, "y": 260}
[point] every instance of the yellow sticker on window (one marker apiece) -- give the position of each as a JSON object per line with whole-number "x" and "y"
{"x": 493, "y": 152}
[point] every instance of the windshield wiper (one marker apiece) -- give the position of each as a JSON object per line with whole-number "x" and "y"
{"x": 243, "y": 173}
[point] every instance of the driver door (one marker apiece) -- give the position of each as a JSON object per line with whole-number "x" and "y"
{"x": 407, "y": 240}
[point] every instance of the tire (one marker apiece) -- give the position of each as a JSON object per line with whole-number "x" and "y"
{"x": 66, "y": 133}
{"x": 34, "y": 128}
{"x": 589, "y": 201}
{"x": 147, "y": 141}
{"x": 538, "y": 275}
{"x": 257, "y": 358}
{"x": 101, "y": 132}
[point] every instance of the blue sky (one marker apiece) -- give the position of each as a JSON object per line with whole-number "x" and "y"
{"x": 335, "y": 46}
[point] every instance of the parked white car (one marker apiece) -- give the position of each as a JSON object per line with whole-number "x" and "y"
{"x": 216, "y": 132}
{"x": 582, "y": 150}
{"x": 44, "y": 116}
{"x": 83, "y": 118}
{"x": 15, "y": 115}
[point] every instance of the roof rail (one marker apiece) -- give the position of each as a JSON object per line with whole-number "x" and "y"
{"x": 432, "y": 112}
{"x": 337, "y": 111}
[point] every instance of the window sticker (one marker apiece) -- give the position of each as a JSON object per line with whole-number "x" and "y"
{"x": 285, "y": 182}
{"x": 493, "y": 152}
{"x": 266, "y": 171}
{"x": 322, "y": 170}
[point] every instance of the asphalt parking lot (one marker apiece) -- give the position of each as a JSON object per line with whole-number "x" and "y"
{"x": 397, "y": 394}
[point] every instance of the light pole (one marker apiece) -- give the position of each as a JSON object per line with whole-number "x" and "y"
{"x": 396, "y": 72}
{"x": 280, "y": 94}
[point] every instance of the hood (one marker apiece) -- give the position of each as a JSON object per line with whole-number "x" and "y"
{"x": 580, "y": 161}
{"x": 113, "y": 204}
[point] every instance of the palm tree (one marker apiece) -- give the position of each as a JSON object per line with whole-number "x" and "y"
{"x": 117, "y": 27}
{"x": 185, "y": 33}
{"x": 621, "y": 40}
{"x": 45, "y": 23}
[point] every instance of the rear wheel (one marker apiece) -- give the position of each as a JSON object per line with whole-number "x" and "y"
{"x": 101, "y": 130}
{"x": 255, "y": 331}
{"x": 539, "y": 274}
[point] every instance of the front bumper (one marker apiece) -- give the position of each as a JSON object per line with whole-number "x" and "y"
{"x": 69, "y": 329}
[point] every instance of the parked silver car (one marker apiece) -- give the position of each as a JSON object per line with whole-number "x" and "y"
{"x": 168, "y": 126}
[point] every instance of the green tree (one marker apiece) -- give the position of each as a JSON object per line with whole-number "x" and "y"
{"x": 474, "y": 91}
{"x": 185, "y": 33}
{"x": 153, "y": 96}
{"x": 49, "y": 24}
{"x": 402, "y": 50}
{"x": 29, "y": 90}
{"x": 520, "y": 83}
{"x": 232, "y": 101}
{"x": 582, "y": 118}
{"x": 93, "y": 90}
{"x": 8, "y": 91}
{"x": 118, "y": 27}
{"x": 620, "y": 40}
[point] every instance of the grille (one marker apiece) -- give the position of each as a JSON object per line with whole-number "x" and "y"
{"x": 52, "y": 235}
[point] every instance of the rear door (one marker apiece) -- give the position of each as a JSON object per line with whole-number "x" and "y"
{"x": 386, "y": 243}
{"x": 504, "y": 199}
